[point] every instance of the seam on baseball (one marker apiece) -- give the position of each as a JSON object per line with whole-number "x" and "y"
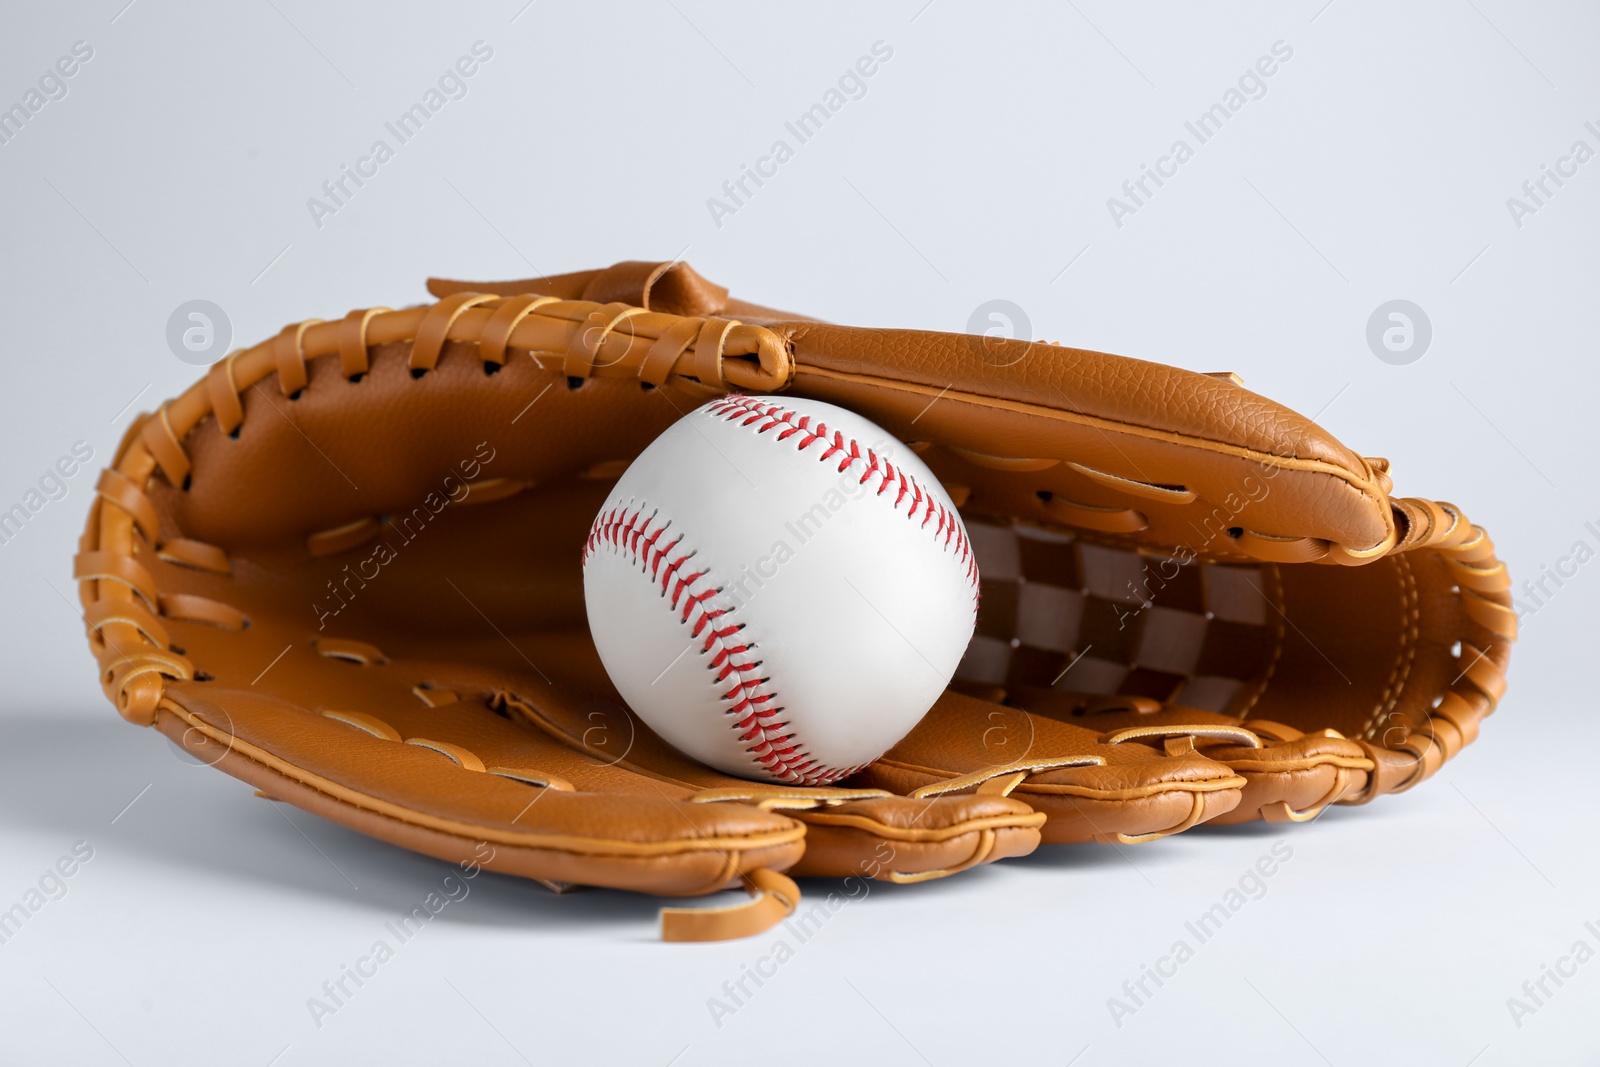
{"x": 751, "y": 704}
{"x": 947, "y": 531}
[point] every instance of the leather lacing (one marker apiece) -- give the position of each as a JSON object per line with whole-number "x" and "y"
{"x": 1483, "y": 590}
{"x": 1255, "y": 544}
{"x": 1397, "y": 763}
{"x": 122, "y": 608}
{"x": 615, "y": 340}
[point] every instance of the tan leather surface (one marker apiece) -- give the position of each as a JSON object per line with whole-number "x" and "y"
{"x": 345, "y": 566}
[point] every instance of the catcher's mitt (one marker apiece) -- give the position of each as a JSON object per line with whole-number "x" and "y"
{"x": 345, "y": 568}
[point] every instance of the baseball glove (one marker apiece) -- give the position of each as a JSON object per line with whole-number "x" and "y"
{"x": 344, "y": 568}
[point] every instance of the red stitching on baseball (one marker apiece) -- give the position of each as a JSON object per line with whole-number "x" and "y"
{"x": 748, "y": 412}
{"x": 750, "y": 694}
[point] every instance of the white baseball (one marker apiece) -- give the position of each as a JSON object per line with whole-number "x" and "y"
{"x": 779, "y": 588}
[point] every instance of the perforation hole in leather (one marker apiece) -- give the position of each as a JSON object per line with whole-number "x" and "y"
{"x": 433, "y": 696}
{"x": 357, "y": 652}
{"x": 535, "y": 779}
{"x": 527, "y": 780}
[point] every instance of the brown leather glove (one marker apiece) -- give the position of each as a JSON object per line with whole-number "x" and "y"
{"x": 345, "y": 569}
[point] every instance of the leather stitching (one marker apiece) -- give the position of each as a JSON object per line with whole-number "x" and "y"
{"x": 751, "y": 700}
{"x": 1405, "y": 655}
{"x": 765, "y": 417}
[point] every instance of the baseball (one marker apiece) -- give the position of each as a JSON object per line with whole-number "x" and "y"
{"x": 779, "y": 588}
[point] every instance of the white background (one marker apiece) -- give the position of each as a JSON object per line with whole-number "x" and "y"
{"x": 976, "y": 167}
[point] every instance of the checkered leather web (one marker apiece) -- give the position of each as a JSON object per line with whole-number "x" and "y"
{"x": 1057, "y": 610}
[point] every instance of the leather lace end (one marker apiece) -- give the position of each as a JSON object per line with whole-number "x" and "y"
{"x": 773, "y": 898}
